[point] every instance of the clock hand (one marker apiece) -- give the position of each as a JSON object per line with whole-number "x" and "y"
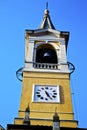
{"x": 48, "y": 95}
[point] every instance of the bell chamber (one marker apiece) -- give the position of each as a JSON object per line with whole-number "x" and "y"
{"x": 46, "y": 54}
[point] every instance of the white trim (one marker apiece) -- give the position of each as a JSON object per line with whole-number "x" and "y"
{"x": 43, "y": 39}
{"x": 49, "y": 30}
{"x": 62, "y": 69}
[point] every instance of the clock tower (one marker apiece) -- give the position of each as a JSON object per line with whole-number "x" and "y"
{"x": 46, "y": 76}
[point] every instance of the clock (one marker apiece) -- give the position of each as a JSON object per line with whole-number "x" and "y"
{"x": 46, "y": 93}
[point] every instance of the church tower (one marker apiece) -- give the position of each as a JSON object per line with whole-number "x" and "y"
{"x": 46, "y": 77}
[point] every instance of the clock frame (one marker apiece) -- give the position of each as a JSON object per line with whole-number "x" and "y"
{"x": 46, "y": 93}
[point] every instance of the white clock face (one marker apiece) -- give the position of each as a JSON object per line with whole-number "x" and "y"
{"x": 46, "y": 93}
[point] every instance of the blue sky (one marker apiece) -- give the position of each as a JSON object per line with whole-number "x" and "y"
{"x": 18, "y": 15}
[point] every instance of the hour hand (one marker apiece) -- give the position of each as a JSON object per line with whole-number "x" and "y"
{"x": 48, "y": 95}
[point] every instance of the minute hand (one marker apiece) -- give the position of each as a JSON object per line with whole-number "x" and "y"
{"x": 48, "y": 95}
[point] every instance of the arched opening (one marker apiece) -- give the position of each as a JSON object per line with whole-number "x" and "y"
{"x": 46, "y": 54}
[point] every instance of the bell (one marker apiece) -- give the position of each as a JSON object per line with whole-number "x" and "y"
{"x": 47, "y": 54}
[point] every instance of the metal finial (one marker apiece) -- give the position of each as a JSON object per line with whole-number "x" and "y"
{"x": 47, "y": 5}
{"x": 27, "y": 114}
{"x": 27, "y": 109}
{"x": 55, "y": 117}
{"x": 56, "y": 110}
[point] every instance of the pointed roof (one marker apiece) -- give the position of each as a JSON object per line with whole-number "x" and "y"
{"x": 46, "y": 22}
{"x": 46, "y": 27}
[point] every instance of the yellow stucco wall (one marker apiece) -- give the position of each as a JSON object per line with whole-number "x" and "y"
{"x": 69, "y": 124}
{"x": 46, "y": 110}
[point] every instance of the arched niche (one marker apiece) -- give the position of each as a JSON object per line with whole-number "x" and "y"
{"x": 45, "y": 53}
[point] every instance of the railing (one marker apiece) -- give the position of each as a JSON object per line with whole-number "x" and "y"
{"x": 45, "y": 66}
{"x": 19, "y": 72}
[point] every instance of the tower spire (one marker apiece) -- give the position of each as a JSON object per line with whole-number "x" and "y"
{"x": 46, "y": 22}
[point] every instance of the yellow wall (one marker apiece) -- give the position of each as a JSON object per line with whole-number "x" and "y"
{"x": 46, "y": 110}
{"x": 69, "y": 124}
